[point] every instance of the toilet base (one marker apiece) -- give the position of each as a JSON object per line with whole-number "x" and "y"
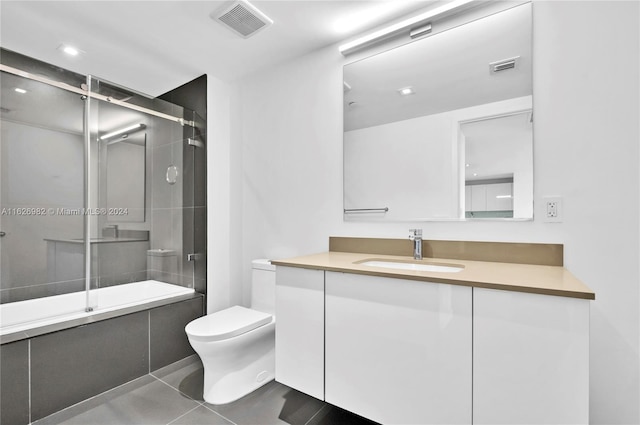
{"x": 237, "y": 366}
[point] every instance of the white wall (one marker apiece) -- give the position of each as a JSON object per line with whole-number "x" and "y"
{"x": 412, "y": 166}
{"x": 223, "y": 192}
{"x": 396, "y": 166}
{"x": 586, "y": 150}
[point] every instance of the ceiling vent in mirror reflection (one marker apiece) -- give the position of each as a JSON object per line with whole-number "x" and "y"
{"x": 503, "y": 65}
{"x": 242, "y": 18}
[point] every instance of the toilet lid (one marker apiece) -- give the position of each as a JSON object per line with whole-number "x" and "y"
{"x": 227, "y": 323}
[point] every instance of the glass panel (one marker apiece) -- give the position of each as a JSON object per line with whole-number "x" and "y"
{"x": 198, "y": 163}
{"x": 41, "y": 196}
{"x": 94, "y": 191}
{"x": 139, "y": 180}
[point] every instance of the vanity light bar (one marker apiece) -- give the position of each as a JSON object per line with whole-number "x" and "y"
{"x": 376, "y": 36}
{"x": 420, "y": 31}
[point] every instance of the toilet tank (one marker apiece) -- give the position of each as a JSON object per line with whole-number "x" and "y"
{"x": 263, "y": 286}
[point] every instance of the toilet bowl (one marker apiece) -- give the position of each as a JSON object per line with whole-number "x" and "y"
{"x": 237, "y": 345}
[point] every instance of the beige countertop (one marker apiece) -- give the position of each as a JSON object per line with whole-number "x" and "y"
{"x": 537, "y": 279}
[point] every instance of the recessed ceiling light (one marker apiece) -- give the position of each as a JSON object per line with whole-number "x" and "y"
{"x": 406, "y": 91}
{"x": 466, "y": 165}
{"x": 19, "y": 90}
{"x": 475, "y": 174}
{"x": 69, "y": 50}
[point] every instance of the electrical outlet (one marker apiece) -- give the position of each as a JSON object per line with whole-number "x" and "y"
{"x": 552, "y": 209}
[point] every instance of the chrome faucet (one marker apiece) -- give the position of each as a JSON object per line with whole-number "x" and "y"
{"x": 416, "y": 236}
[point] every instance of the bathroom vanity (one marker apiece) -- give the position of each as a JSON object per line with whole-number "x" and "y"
{"x": 484, "y": 342}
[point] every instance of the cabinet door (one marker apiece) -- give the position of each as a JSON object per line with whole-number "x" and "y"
{"x": 530, "y": 358}
{"x": 300, "y": 329}
{"x": 398, "y": 351}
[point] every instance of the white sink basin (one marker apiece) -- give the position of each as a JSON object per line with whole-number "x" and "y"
{"x": 423, "y": 267}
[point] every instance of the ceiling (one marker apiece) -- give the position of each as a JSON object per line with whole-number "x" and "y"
{"x": 155, "y": 46}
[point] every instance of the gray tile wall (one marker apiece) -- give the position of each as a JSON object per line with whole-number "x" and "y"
{"x": 168, "y": 340}
{"x": 72, "y": 365}
{"x": 193, "y": 95}
{"x": 14, "y": 383}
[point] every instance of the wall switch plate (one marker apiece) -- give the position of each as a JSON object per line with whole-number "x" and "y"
{"x": 552, "y": 209}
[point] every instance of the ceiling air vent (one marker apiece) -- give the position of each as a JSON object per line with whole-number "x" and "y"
{"x": 243, "y": 18}
{"x": 503, "y": 65}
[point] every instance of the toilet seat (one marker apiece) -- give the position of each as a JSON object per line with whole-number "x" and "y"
{"x": 226, "y": 324}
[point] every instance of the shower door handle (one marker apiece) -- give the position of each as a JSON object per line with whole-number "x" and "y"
{"x": 2, "y": 233}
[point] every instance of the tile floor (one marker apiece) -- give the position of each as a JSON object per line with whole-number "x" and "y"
{"x": 173, "y": 395}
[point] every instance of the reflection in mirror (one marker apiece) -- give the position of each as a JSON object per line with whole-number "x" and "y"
{"x": 498, "y": 162}
{"x": 126, "y": 168}
{"x": 407, "y": 112}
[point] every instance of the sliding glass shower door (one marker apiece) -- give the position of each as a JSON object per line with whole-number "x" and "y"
{"x": 42, "y": 176}
{"x": 95, "y": 190}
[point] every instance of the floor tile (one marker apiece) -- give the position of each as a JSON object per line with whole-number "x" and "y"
{"x": 119, "y": 345}
{"x": 201, "y": 416}
{"x": 188, "y": 379}
{"x": 146, "y": 401}
{"x": 332, "y": 415}
{"x": 271, "y": 404}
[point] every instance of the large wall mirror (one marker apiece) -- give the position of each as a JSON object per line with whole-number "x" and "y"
{"x": 441, "y": 128}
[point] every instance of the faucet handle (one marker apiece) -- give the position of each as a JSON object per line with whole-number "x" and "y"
{"x": 415, "y": 233}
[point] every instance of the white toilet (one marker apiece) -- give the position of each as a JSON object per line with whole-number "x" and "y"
{"x": 237, "y": 345}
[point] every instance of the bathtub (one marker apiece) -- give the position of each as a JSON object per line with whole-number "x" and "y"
{"x": 52, "y": 343}
{"x": 27, "y": 315}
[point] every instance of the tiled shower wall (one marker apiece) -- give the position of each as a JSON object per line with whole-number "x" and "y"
{"x": 193, "y": 95}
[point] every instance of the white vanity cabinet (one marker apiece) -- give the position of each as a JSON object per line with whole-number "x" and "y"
{"x": 489, "y": 197}
{"x": 530, "y": 358}
{"x": 398, "y": 351}
{"x": 300, "y": 329}
{"x": 402, "y": 351}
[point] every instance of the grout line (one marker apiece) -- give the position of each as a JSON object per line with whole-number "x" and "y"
{"x": 219, "y": 414}
{"x": 184, "y": 414}
{"x": 149, "y": 341}
{"x": 86, "y": 400}
{"x": 316, "y": 414}
{"x": 176, "y": 389}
